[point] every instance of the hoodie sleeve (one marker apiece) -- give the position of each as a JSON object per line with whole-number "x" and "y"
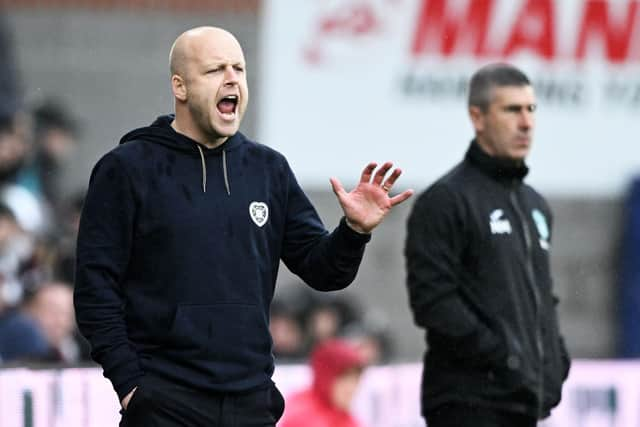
{"x": 325, "y": 261}
{"x": 433, "y": 251}
{"x": 103, "y": 250}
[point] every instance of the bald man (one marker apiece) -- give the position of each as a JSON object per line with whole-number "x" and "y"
{"x": 181, "y": 235}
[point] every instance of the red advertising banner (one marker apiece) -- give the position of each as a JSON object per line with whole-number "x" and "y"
{"x": 345, "y": 82}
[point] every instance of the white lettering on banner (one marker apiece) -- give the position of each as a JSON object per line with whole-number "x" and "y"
{"x": 596, "y": 394}
{"x": 388, "y": 79}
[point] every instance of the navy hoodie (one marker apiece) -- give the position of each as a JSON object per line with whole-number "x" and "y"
{"x": 178, "y": 253}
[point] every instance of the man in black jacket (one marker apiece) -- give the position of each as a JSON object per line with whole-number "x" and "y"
{"x": 182, "y": 231}
{"x": 477, "y": 255}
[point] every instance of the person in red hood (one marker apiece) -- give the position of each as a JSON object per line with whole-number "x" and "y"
{"x": 336, "y": 367}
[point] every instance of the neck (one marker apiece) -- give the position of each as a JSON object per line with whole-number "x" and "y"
{"x": 486, "y": 148}
{"x": 188, "y": 128}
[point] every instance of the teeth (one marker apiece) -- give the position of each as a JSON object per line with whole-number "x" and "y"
{"x": 230, "y": 115}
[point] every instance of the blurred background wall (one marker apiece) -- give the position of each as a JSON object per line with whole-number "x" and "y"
{"x": 108, "y": 62}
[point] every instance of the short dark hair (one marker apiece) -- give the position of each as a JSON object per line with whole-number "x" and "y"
{"x": 491, "y": 76}
{"x": 52, "y": 113}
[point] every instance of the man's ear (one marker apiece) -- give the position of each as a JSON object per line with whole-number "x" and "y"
{"x": 477, "y": 118}
{"x": 179, "y": 87}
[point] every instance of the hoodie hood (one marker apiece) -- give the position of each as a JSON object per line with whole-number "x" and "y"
{"x": 329, "y": 360}
{"x": 161, "y": 132}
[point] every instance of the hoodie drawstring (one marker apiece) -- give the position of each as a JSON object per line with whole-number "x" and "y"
{"x": 204, "y": 171}
{"x": 224, "y": 170}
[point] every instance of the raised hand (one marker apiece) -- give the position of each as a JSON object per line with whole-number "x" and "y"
{"x": 366, "y": 205}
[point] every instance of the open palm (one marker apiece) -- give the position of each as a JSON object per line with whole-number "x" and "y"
{"x": 366, "y": 205}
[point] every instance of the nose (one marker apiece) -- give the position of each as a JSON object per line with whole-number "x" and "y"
{"x": 230, "y": 75}
{"x": 526, "y": 120}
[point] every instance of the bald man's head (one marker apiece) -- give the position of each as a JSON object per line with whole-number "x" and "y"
{"x": 209, "y": 84}
{"x": 188, "y": 44}
{"x": 177, "y": 57}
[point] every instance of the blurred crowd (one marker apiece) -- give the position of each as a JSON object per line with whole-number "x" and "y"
{"x": 302, "y": 319}
{"x": 38, "y": 223}
{"x": 38, "y": 230}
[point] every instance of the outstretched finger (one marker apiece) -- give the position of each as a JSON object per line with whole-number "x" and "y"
{"x": 379, "y": 176}
{"x": 337, "y": 187}
{"x": 368, "y": 170}
{"x": 396, "y": 200}
{"x": 388, "y": 183}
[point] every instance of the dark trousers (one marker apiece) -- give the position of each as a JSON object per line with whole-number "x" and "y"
{"x": 468, "y": 415}
{"x": 158, "y": 403}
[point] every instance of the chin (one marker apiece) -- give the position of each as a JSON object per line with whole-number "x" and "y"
{"x": 519, "y": 154}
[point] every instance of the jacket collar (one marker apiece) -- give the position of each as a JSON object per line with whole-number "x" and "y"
{"x": 500, "y": 169}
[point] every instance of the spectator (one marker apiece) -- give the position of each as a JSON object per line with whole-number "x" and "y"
{"x": 371, "y": 337}
{"x": 336, "y": 368}
{"x": 54, "y": 136}
{"x": 51, "y": 306}
{"x": 286, "y": 332}
{"x": 21, "y": 339}
{"x": 327, "y": 316}
{"x": 29, "y": 210}
{"x": 323, "y": 323}
{"x": 16, "y": 250}
{"x": 13, "y": 147}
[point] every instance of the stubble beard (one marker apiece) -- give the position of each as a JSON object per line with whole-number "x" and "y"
{"x": 202, "y": 119}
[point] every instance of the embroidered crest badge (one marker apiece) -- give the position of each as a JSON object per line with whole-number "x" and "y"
{"x": 259, "y": 213}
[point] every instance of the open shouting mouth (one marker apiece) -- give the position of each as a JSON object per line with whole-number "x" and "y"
{"x": 227, "y": 107}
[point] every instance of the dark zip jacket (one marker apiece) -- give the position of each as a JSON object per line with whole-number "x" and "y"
{"x": 178, "y": 252}
{"x": 477, "y": 253}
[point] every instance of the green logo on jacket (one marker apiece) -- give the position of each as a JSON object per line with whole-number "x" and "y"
{"x": 543, "y": 228}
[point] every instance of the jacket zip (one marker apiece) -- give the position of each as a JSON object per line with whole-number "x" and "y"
{"x": 536, "y": 295}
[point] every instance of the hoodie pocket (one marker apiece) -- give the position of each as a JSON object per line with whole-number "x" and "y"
{"x": 518, "y": 367}
{"x": 227, "y": 340}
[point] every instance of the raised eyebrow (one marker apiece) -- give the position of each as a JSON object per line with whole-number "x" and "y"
{"x": 221, "y": 63}
{"x": 212, "y": 65}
